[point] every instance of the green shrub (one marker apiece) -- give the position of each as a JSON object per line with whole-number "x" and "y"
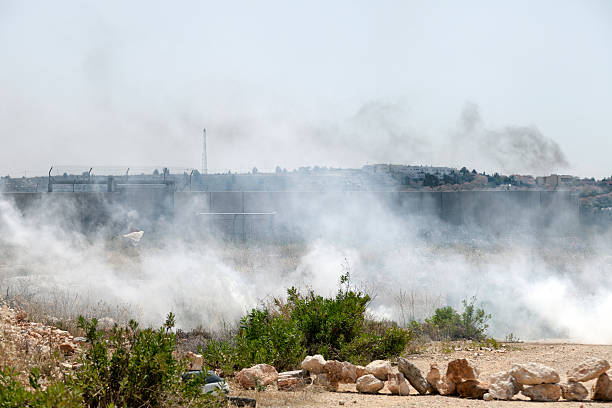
{"x": 133, "y": 368}
{"x": 447, "y": 324}
{"x": 284, "y": 333}
{"x": 328, "y": 324}
{"x": 275, "y": 340}
{"x": 369, "y": 346}
{"x": 14, "y": 395}
{"x": 220, "y": 354}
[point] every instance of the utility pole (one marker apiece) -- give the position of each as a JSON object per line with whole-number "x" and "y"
{"x": 50, "y": 185}
{"x": 204, "y": 158}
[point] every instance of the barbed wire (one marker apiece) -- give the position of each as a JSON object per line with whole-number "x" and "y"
{"x": 117, "y": 170}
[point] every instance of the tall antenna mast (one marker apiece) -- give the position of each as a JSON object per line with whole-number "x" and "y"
{"x": 204, "y": 159}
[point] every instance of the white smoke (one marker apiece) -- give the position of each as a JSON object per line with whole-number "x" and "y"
{"x": 535, "y": 290}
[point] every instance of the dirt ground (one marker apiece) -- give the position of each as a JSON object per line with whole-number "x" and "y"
{"x": 560, "y": 356}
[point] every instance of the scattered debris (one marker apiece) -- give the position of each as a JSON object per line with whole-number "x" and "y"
{"x": 397, "y": 384}
{"x": 258, "y": 375}
{"x": 472, "y": 389}
{"x": 460, "y": 370}
{"x": 379, "y": 369}
{"x": 369, "y": 384}
{"x": 543, "y": 392}
{"x": 503, "y": 386}
{"x": 293, "y": 380}
{"x": 314, "y": 364}
{"x": 588, "y": 370}
{"x": 574, "y": 391}
{"x": 413, "y": 375}
{"x": 439, "y": 384}
{"x": 461, "y": 378}
{"x": 213, "y": 383}
{"x": 602, "y": 390}
{"x": 534, "y": 374}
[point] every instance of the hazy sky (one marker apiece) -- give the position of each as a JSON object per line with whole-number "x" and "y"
{"x": 516, "y": 86}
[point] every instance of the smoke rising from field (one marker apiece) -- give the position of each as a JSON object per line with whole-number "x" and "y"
{"x": 546, "y": 285}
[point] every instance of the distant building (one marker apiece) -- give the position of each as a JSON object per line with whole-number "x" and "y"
{"x": 414, "y": 172}
{"x": 556, "y": 180}
{"x": 525, "y": 180}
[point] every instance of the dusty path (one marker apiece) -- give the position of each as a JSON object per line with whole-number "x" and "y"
{"x": 559, "y": 356}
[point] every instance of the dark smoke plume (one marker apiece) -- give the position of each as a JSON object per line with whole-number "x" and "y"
{"x": 513, "y": 148}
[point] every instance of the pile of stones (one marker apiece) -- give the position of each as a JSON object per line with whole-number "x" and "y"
{"x": 541, "y": 383}
{"x": 35, "y": 337}
{"x": 535, "y": 381}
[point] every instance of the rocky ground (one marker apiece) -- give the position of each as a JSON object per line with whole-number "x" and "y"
{"x": 560, "y": 356}
{"x": 24, "y": 344}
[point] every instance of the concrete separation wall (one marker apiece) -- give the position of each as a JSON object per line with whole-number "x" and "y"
{"x": 250, "y": 214}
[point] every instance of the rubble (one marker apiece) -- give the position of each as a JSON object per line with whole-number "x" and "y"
{"x": 258, "y": 375}
{"x": 433, "y": 377}
{"x": 36, "y": 336}
{"x": 68, "y": 347}
{"x": 369, "y": 384}
{"x": 472, "y": 389}
{"x": 293, "y": 380}
{"x": 534, "y": 374}
{"x": 461, "y": 378}
{"x": 439, "y": 384}
{"x": 398, "y": 385}
{"x": 602, "y": 390}
{"x": 313, "y": 364}
{"x": 503, "y": 386}
{"x": 361, "y": 371}
{"x": 460, "y": 370}
{"x": 413, "y": 375}
{"x": 543, "y": 392}
{"x": 350, "y": 372}
{"x": 321, "y": 380}
{"x": 574, "y": 391}
{"x": 333, "y": 369}
{"x": 379, "y": 369}
{"x": 588, "y": 370}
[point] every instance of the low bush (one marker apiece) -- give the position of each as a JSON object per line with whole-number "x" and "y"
{"x": 284, "y": 333}
{"x": 134, "y": 368}
{"x": 370, "y": 346}
{"x": 271, "y": 339}
{"x": 13, "y": 394}
{"x": 447, "y": 324}
{"x": 130, "y": 367}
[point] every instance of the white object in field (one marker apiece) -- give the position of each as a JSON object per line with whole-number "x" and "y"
{"x": 134, "y": 236}
{"x": 213, "y": 388}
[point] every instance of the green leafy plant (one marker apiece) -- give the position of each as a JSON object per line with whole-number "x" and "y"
{"x": 447, "y": 324}
{"x": 128, "y": 367}
{"x": 134, "y": 368}
{"x": 13, "y": 394}
{"x": 283, "y": 333}
{"x": 268, "y": 338}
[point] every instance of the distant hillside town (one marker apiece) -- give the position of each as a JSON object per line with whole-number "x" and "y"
{"x": 371, "y": 177}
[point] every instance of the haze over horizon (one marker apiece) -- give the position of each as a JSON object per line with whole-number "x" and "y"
{"x": 514, "y": 87}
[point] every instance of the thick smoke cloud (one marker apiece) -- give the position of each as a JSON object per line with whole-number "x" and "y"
{"x": 385, "y": 131}
{"x": 512, "y": 149}
{"x": 541, "y": 284}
